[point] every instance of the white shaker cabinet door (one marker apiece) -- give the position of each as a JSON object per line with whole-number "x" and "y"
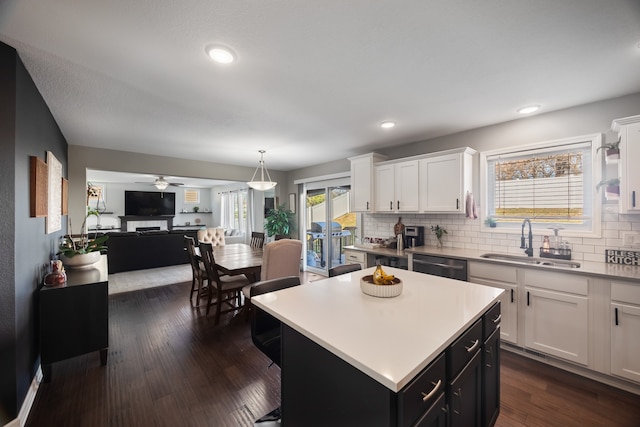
{"x": 625, "y": 341}
{"x": 556, "y": 323}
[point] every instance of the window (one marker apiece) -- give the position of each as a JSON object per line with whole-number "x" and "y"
{"x": 192, "y": 196}
{"x": 233, "y": 210}
{"x": 553, "y": 184}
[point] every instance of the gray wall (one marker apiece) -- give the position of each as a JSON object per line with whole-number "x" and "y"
{"x": 28, "y": 129}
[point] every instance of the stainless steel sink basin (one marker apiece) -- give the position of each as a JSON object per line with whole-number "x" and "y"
{"x": 532, "y": 260}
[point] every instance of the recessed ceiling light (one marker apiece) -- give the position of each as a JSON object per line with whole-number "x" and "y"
{"x": 528, "y": 109}
{"x": 220, "y": 54}
{"x": 387, "y": 125}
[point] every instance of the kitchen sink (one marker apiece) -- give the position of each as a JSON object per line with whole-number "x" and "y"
{"x": 532, "y": 260}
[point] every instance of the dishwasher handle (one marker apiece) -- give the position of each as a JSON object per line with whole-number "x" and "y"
{"x": 438, "y": 264}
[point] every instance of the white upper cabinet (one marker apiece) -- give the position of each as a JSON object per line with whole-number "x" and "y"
{"x": 396, "y": 187}
{"x": 362, "y": 181}
{"x": 629, "y": 132}
{"x": 445, "y": 180}
{"x": 432, "y": 183}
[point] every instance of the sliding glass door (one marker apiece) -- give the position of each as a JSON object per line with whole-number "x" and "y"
{"x": 330, "y": 225}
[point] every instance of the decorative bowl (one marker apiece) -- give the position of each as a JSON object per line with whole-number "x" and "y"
{"x": 80, "y": 261}
{"x": 381, "y": 291}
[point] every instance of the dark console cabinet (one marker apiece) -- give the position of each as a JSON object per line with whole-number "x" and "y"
{"x": 74, "y": 319}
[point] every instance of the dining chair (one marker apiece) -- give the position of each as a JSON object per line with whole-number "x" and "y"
{"x": 257, "y": 239}
{"x": 214, "y": 236}
{"x": 199, "y": 274}
{"x": 280, "y": 258}
{"x": 226, "y": 288}
{"x": 344, "y": 269}
{"x": 265, "y": 328}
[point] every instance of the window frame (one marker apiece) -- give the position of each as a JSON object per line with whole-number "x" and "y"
{"x": 596, "y": 173}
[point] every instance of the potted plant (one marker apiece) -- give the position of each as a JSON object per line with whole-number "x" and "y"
{"x": 611, "y": 188}
{"x": 83, "y": 251}
{"x": 612, "y": 150}
{"x": 439, "y": 232}
{"x": 491, "y": 222}
{"x": 196, "y": 209}
{"x": 279, "y": 222}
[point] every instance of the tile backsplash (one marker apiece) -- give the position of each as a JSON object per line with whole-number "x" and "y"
{"x": 473, "y": 234}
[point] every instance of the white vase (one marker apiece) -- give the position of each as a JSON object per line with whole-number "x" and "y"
{"x": 79, "y": 261}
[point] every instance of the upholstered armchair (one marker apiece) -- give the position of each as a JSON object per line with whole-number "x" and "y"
{"x": 214, "y": 236}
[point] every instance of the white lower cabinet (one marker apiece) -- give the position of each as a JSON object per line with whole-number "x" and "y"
{"x": 355, "y": 257}
{"x": 625, "y": 330}
{"x": 592, "y": 323}
{"x": 505, "y": 278}
{"x": 556, "y": 318}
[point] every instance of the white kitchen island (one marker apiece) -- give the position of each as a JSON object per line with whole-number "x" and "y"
{"x": 348, "y": 357}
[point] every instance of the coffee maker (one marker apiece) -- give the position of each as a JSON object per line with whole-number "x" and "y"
{"x": 413, "y": 236}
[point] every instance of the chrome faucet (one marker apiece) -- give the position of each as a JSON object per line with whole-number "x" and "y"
{"x": 527, "y": 250}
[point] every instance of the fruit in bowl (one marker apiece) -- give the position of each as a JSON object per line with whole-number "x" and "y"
{"x": 382, "y": 278}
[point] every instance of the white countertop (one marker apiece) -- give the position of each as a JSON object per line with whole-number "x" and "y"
{"x": 601, "y": 269}
{"x": 389, "y": 339}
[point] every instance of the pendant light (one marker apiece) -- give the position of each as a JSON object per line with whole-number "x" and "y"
{"x": 261, "y": 185}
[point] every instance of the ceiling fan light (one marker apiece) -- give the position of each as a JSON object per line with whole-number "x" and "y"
{"x": 262, "y": 184}
{"x": 161, "y": 184}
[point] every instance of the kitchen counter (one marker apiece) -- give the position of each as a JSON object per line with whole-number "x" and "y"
{"x": 600, "y": 269}
{"x": 389, "y": 339}
{"x": 379, "y": 251}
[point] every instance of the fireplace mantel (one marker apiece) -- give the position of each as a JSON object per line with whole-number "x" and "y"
{"x": 127, "y": 218}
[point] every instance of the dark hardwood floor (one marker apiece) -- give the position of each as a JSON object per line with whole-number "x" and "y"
{"x": 169, "y": 366}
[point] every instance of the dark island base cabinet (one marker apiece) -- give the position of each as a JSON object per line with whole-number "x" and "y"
{"x": 320, "y": 389}
{"x": 74, "y": 320}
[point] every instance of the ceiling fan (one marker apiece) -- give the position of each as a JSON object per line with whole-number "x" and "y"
{"x": 161, "y": 184}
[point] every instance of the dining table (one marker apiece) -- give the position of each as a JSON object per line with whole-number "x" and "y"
{"x": 238, "y": 258}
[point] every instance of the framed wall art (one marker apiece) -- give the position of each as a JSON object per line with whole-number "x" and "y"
{"x": 38, "y": 188}
{"x": 54, "y": 200}
{"x": 292, "y": 202}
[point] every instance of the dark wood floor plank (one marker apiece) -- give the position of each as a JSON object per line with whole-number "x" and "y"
{"x": 169, "y": 365}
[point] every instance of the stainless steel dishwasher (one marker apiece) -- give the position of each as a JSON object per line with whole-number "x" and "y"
{"x": 440, "y": 266}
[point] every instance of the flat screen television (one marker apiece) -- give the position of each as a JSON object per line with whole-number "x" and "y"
{"x": 149, "y": 203}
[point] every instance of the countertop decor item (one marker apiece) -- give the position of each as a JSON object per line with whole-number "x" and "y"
{"x": 81, "y": 261}
{"x": 82, "y": 251}
{"x": 57, "y": 275}
{"x": 367, "y": 286}
{"x": 439, "y": 232}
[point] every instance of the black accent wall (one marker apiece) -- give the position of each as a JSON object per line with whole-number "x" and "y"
{"x": 27, "y": 128}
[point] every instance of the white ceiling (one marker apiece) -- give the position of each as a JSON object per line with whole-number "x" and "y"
{"x": 313, "y": 79}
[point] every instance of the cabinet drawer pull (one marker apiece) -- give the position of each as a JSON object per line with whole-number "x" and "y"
{"x": 497, "y": 319}
{"x": 457, "y": 204}
{"x": 367, "y": 205}
{"x": 617, "y": 320}
{"x": 511, "y": 295}
{"x": 633, "y": 199}
{"x": 427, "y": 396}
{"x": 391, "y": 205}
{"x": 473, "y": 347}
{"x": 398, "y": 204}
